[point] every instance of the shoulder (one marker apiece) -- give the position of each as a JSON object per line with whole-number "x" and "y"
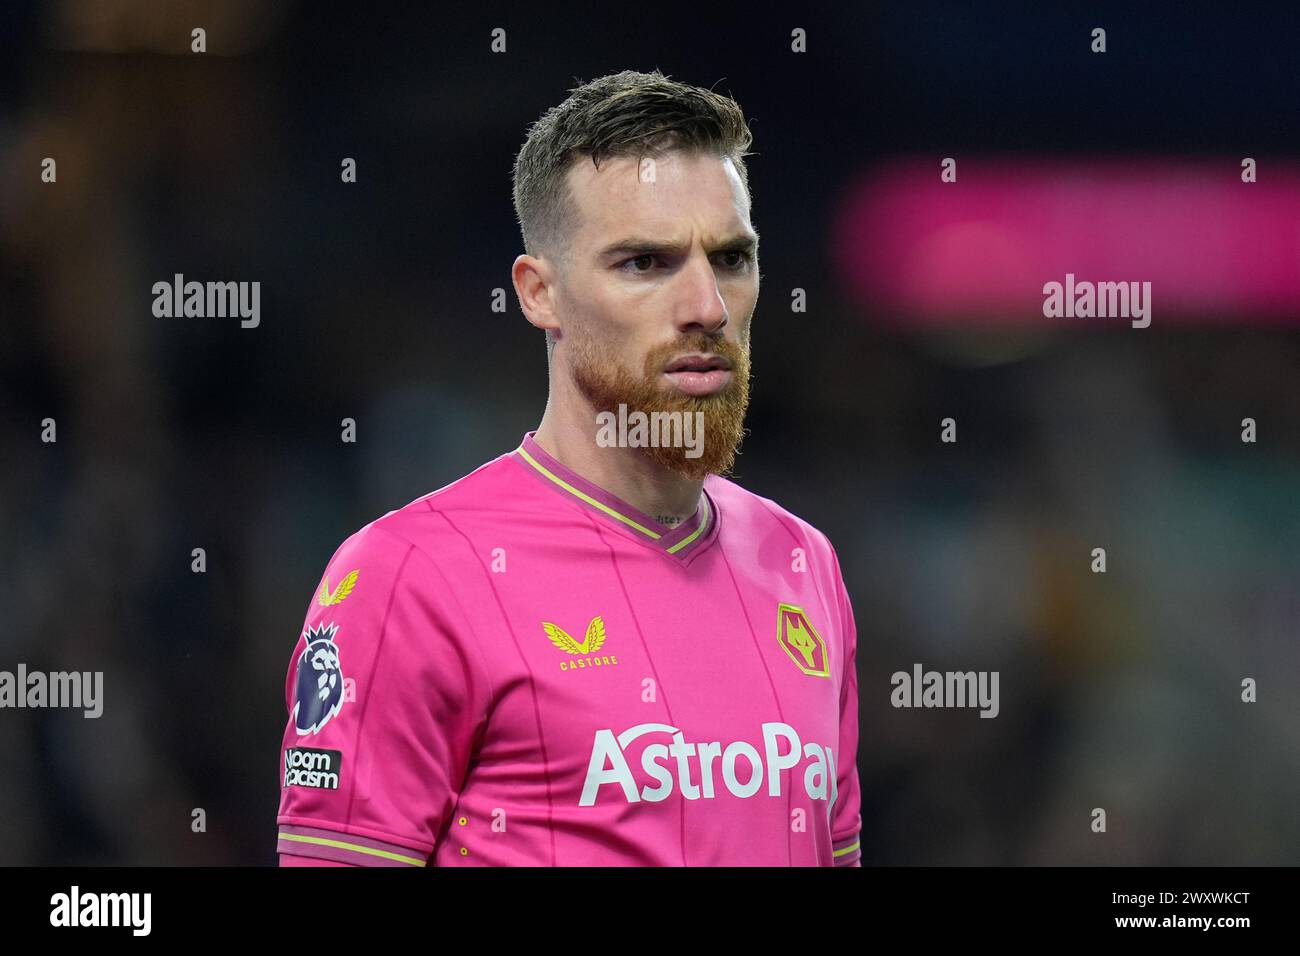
{"x": 429, "y": 525}
{"x": 406, "y": 572}
{"x": 752, "y": 514}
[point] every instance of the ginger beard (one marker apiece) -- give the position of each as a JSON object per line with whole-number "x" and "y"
{"x": 602, "y": 379}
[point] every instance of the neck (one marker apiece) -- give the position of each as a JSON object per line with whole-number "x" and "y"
{"x": 569, "y": 438}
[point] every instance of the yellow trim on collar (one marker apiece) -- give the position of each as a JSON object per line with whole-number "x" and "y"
{"x": 704, "y": 523}
{"x": 587, "y": 498}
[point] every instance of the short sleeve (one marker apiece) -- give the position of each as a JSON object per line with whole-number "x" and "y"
{"x": 385, "y": 695}
{"x": 846, "y": 815}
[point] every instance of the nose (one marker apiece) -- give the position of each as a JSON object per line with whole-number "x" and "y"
{"x": 702, "y": 307}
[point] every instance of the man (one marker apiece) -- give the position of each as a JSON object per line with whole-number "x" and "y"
{"x": 594, "y": 650}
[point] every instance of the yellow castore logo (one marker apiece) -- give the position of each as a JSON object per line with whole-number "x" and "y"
{"x": 328, "y": 597}
{"x": 593, "y": 642}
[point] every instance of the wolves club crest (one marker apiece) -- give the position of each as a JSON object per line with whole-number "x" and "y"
{"x": 799, "y": 639}
{"x": 320, "y": 680}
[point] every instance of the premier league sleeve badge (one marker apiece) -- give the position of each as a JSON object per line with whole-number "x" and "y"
{"x": 320, "y": 680}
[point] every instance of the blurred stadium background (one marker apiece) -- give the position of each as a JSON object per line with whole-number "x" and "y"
{"x": 1119, "y": 690}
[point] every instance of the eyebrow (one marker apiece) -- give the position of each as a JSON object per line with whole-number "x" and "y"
{"x": 636, "y": 246}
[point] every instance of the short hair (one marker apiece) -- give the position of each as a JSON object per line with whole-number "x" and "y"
{"x": 622, "y": 114}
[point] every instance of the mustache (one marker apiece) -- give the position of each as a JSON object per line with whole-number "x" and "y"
{"x": 700, "y": 342}
{"x": 606, "y": 383}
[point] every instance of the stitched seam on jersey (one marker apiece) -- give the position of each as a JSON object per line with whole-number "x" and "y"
{"x": 835, "y": 560}
{"x": 799, "y": 542}
{"x": 781, "y": 519}
{"x": 379, "y": 652}
{"x": 771, "y": 682}
{"x": 486, "y": 682}
{"x": 845, "y": 651}
{"x": 532, "y": 684}
{"x": 485, "y": 672}
{"x": 640, "y": 633}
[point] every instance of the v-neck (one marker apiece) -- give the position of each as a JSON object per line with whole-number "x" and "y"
{"x": 680, "y": 542}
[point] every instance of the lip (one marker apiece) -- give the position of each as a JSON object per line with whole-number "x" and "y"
{"x": 699, "y": 384}
{"x": 698, "y": 361}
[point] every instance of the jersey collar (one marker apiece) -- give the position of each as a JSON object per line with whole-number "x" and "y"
{"x": 681, "y": 542}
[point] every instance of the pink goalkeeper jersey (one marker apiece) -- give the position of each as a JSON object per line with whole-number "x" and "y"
{"x": 520, "y": 669}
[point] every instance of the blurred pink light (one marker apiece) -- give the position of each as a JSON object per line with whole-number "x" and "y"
{"x": 1212, "y": 247}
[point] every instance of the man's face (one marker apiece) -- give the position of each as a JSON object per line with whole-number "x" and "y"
{"x": 657, "y": 294}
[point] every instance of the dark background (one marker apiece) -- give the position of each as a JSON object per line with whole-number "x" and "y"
{"x": 1118, "y": 690}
